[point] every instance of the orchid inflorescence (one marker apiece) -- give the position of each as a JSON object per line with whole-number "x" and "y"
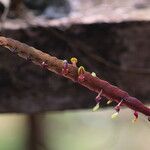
{"x": 81, "y": 78}
{"x": 84, "y": 78}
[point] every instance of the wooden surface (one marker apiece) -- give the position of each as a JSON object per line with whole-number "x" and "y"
{"x": 82, "y": 130}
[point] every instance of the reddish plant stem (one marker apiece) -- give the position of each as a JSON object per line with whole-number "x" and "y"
{"x": 92, "y": 83}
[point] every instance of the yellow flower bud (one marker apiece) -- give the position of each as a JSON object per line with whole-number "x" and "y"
{"x": 81, "y": 70}
{"x": 93, "y": 74}
{"x": 115, "y": 115}
{"x": 110, "y": 101}
{"x": 74, "y": 61}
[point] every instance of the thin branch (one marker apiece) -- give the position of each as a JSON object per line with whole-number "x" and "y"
{"x": 76, "y": 74}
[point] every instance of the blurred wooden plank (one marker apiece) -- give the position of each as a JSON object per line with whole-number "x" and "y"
{"x": 28, "y": 88}
{"x": 86, "y": 130}
{"x": 14, "y": 132}
{"x": 89, "y": 12}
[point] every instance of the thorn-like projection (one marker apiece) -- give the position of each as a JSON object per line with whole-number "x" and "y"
{"x": 109, "y": 102}
{"x": 29, "y": 58}
{"x": 136, "y": 117}
{"x": 74, "y": 61}
{"x": 93, "y": 74}
{"x": 13, "y": 50}
{"x": 81, "y": 72}
{"x": 97, "y": 99}
{"x": 44, "y": 65}
{"x": 99, "y": 96}
{"x": 117, "y": 108}
{"x": 65, "y": 67}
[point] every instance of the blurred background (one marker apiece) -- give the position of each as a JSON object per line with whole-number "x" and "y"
{"x": 42, "y": 111}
